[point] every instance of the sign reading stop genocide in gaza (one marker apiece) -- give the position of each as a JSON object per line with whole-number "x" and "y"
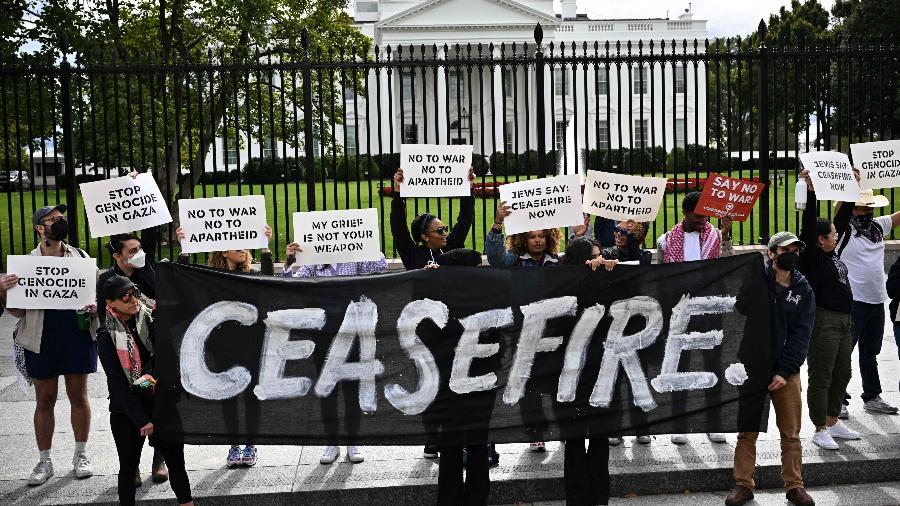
{"x": 124, "y": 204}
{"x": 725, "y": 196}
{"x": 51, "y": 282}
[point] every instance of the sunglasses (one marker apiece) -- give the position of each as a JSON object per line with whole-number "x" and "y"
{"x": 439, "y": 231}
{"x": 621, "y": 231}
{"x": 127, "y": 296}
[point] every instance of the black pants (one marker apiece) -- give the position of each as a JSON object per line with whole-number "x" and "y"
{"x": 451, "y": 489}
{"x": 586, "y": 474}
{"x": 129, "y": 444}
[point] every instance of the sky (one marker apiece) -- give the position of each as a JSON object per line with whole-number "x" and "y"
{"x": 725, "y": 17}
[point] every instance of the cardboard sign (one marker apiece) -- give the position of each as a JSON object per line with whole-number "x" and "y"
{"x": 432, "y": 170}
{"x": 539, "y": 204}
{"x": 223, "y": 223}
{"x": 623, "y": 197}
{"x": 330, "y": 237}
{"x": 124, "y": 204}
{"x": 52, "y": 282}
{"x": 878, "y": 164}
{"x": 725, "y": 196}
{"x": 831, "y": 175}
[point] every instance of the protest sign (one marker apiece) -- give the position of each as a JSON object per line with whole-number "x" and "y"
{"x": 223, "y": 223}
{"x": 623, "y": 197}
{"x": 124, "y": 204}
{"x": 433, "y": 170}
{"x": 725, "y": 196}
{"x": 831, "y": 175}
{"x": 47, "y": 282}
{"x": 878, "y": 164}
{"x": 539, "y": 204}
{"x": 328, "y": 237}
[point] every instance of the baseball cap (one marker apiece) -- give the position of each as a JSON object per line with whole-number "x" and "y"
{"x": 784, "y": 239}
{"x": 115, "y": 287}
{"x": 44, "y": 211}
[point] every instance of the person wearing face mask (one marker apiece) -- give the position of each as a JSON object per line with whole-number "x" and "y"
{"x": 52, "y": 343}
{"x": 792, "y": 309}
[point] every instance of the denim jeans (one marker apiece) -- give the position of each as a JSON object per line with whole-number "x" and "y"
{"x": 868, "y": 333}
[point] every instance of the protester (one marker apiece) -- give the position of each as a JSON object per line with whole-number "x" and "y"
{"x": 331, "y": 452}
{"x": 602, "y": 231}
{"x": 429, "y": 237}
{"x": 860, "y": 244}
{"x": 56, "y": 342}
{"x": 792, "y": 306}
{"x": 629, "y": 240}
{"x": 831, "y": 345}
{"x": 126, "y": 342}
{"x": 893, "y": 289}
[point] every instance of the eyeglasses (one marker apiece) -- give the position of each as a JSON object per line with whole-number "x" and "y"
{"x": 439, "y": 231}
{"x": 127, "y": 296}
{"x": 54, "y": 219}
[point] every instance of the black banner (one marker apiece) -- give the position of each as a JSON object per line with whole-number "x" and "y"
{"x": 462, "y": 355}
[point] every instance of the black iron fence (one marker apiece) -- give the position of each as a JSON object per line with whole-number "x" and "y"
{"x": 218, "y": 124}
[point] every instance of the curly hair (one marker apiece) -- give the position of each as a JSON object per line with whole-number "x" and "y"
{"x": 518, "y": 243}
{"x": 217, "y": 260}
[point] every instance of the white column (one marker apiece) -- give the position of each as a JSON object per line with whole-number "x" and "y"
{"x": 441, "y": 115}
{"x": 386, "y": 111}
{"x": 499, "y": 104}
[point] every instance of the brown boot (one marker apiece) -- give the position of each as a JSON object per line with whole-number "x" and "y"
{"x": 160, "y": 472}
{"x": 799, "y": 497}
{"x": 739, "y": 496}
{"x": 137, "y": 478}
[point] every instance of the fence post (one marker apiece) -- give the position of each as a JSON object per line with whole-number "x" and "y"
{"x": 763, "y": 116}
{"x": 308, "y": 141}
{"x": 539, "y": 100}
{"x": 68, "y": 138}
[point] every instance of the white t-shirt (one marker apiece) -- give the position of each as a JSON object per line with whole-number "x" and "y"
{"x": 865, "y": 265}
{"x": 691, "y": 246}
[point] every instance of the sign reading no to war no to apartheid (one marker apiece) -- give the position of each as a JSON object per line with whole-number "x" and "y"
{"x": 878, "y": 164}
{"x": 831, "y": 175}
{"x": 328, "y": 237}
{"x": 538, "y": 204}
{"x": 223, "y": 223}
{"x": 623, "y": 197}
{"x": 51, "y": 282}
{"x": 432, "y": 170}
{"x": 725, "y": 196}
{"x": 124, "y": 204}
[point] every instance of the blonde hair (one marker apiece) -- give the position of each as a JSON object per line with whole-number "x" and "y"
{"x": 217, "y": 259}
{"x": 517, "y": 243}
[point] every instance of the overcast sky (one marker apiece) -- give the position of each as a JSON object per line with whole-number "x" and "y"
{"x": 725, "y": 17}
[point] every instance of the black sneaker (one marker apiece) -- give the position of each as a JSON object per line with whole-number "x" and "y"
{"x": 493, "y": 456}
{"x": 431, "y": 452}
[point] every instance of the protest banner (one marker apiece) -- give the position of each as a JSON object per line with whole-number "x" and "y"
{"x": 434, "y": 170}
{"x": 539, "y": 204}
{"x": 328, "y": 237}
{"x": 831, "y": 175}
{"x": 124, "y": 204}
{"x": 726, "y": 196}
{"x": 223, "y": 223}
{"x": 878, "y": 164}
{"x": 623, "y": 197}
{"x": 462, "y": 355}
{"x": 47, "y": 282}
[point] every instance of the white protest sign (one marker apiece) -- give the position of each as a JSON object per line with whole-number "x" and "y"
{"x": 878, "y": 164}
{"x": 124, "y": 204}
{"x": 223, "y": 223}
{"x": 329, "y": 237}
{"x": 831, "y": 175}
{"x": 539, "y": 204}
{"x": 432, "y": 170}
{"x": 50, "y": 282}
{"x": 623, "y": 197}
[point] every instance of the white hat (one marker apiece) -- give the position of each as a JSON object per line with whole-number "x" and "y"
{"x": 867, "y": 198}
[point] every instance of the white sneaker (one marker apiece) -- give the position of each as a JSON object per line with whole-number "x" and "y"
{"x": 840, "y": 431}
{"x": 329, "y": 455}
{"x": 716, "y": 437}
{"x": 42, "y": 472}
{"x": 679, "y": 439}
{"x": 644, "y": 440}
{"x": 844, "y": 413}
{"x": 823, "y": 439}
{"x": 614, "y": 441}
{"x": 354, "y": 455}
{"x": 82, "y": 465}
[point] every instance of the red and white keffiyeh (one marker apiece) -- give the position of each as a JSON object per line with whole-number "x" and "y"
{"x": 710, "y": 243}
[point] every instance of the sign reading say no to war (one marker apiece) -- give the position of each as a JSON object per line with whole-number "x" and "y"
{"x": 124, "y": 204}
{"x": 223, "y": 223}
{"x": 328, "y": 237}
{"x": 831, "y": 175}
{"x": 51, "y": 282}
{"x": 623, "y": 197}
{"x": 431, "y": 170}
{"x": 878, "y": 164}
{"x": 725, "y": 196}
{"x": 538, "y": 204}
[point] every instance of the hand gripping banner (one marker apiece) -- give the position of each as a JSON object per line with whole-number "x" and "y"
{"x": 462, "y": 355}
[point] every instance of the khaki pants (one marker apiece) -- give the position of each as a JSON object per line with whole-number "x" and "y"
{"x": 788, "y": 404}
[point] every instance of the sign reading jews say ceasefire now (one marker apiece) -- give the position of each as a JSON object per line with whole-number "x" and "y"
{"x": 725, "y": 196}
{"x": 539, "y": 204}
{"x": 878, "y": 164}
{"x": 623, "y": 197}
{"x": 124, "y": 204}
{"x": 51, "y": 282}
{"x": 223, "y": 223}
{"x": 329, "y": 237}
{"x": 431, "y": 170}
{"x": 831, "y": 175}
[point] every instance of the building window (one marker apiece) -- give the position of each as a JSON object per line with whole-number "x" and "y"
{"x": 410, "y": 133}
{"x": 407, "y": 78}
{"x": 509, "y": 138}
{"x": 560, "y": 83}
{"x": 603, "y": 81}
{"x": 640, "y": 132}
{"x": 680, "y": 79}
{"x": 679, "y": 134}
{"x": 268, "y": 150}
{"x": 455, "y": 84}
{"x": 350, "y": 142}
{"x": 349, "y": 94}
{"x": 603, "y": 131}
{"x": 366, "y": 6}
{"x": 641, "y": 82}
{"x": 231, "y": 156}
{"x": 560, "y": 138}
{"x": 508, "y": 82}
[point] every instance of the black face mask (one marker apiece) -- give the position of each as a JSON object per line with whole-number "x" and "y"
{"x": 787, "y": 261}
{"x": 58, "y": 231}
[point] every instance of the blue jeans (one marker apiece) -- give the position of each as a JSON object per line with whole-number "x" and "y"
{"x": 868, "y": 333}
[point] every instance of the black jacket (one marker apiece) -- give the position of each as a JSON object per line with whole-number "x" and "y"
{"x": 819, "y": 268}
{"x": 134, "y": 402}
{"x": 416, "y": 256}
{"x": 893, "y": 288}
{"x": 630, "y": 253}
{"x": 792, "y": 313}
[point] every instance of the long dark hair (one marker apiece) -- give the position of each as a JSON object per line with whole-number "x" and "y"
{"x": 823, "y": 228}
{"x": 578, "y": 252}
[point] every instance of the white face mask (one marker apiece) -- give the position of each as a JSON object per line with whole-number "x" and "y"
{"x": 138, "y": 260}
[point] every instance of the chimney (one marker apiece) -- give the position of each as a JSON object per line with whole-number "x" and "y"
{"x": 688, "y": 13}
{"x": 365, "y": 11}
{"x": 569, "y": 9}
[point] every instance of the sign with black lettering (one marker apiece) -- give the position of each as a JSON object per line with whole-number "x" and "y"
{"x": 223, "y": 223}
{"x": 538, "y": 204}
{"x": 124, "y": 204}
{"x": 831, "y": 175}
{"x": 623, "y": 197}
{"x": 878, "y": 164}
{"x": 433, "y": 170}
{"x": 47, "y": 282}
{"x": 329, "y": 237}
